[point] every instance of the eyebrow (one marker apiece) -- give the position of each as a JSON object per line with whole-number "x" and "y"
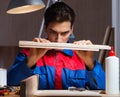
{"x": 61, "y": 32}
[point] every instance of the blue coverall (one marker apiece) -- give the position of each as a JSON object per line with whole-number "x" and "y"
{"x": 57, "y": 70}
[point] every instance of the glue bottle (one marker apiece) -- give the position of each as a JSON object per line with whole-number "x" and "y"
{"x": 3, "y": 77}
{"x": 112, "y": 73}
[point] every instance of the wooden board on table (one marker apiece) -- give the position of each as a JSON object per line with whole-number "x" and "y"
{"x": 53, "y": 45}
{"x": 67, "y": 93}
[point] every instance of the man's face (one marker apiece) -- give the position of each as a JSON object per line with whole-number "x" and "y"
{"x": 59, "y": 32}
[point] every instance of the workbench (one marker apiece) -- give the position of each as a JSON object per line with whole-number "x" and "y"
{"x": 101, "y": 95}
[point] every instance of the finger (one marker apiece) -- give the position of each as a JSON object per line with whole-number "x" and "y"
{"x": 83, "y": 42}
{"x": 80, "y": 42}
{"x": 44, "y": 40}
{"x": 36, "y": 39}
{"x": 88, "y": 42}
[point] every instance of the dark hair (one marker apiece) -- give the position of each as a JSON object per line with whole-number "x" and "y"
{"x": 59, "y": 12}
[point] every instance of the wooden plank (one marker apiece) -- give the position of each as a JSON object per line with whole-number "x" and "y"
{"x": 29, "y": 88}
{"x": 67, "y": 93}
{"x": 53, "y": 45}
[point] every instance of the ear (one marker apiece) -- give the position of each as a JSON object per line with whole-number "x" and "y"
{"x": 72, "y": 30}
{"x": 45, "y": 31}
{"x": 72, "y": 27}
{"x": 72, "y": 36}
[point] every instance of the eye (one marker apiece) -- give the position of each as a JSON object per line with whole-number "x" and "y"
{"x": 52, "y": 32}
{"x": 64, "y": 33}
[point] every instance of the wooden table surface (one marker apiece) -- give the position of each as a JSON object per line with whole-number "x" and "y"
{"x": 71, "y": 96}
{"x": 101, "y": 95}
{"x": 11, "y": 96}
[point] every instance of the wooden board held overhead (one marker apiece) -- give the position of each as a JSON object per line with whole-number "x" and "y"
{"x": 53, "y": 45}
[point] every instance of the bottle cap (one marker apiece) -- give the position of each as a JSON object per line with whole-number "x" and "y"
{"x": 112, "y": 53}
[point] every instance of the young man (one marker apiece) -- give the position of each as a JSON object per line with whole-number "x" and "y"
{"x": 58, "y": 69}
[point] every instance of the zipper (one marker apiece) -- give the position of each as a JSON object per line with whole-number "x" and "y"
{"x": 56, "y": 56}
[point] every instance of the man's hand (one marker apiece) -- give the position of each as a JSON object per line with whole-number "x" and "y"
{"x": 87, "y": 56}
{"x": 36, "y": 53}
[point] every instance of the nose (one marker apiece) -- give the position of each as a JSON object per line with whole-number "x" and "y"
{"x": 58, "y": 38}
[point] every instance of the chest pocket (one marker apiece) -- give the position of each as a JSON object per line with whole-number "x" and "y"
{"x": 77, "y": 78}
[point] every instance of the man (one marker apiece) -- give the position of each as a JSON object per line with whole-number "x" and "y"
{"x": 58, "y": 69}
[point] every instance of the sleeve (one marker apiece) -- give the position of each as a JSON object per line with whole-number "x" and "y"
{"x": 18, "y": 71}
{"x": 96, "y": 77}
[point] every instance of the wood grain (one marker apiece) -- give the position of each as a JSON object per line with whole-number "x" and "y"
{"x": 53, "y": 45}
